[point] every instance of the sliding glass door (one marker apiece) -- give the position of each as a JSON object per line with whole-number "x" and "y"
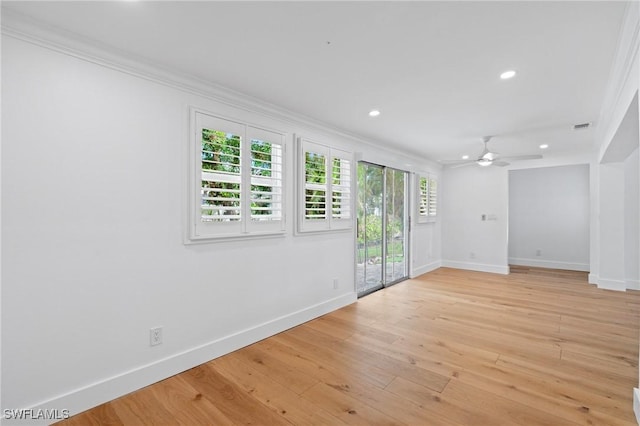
{"x": 369, "y": 233}
{"x": 396, "y": 232}
{"x": 382, "y": 234}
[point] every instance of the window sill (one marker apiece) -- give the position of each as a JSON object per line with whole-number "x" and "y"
{"x": 213, "y": 239}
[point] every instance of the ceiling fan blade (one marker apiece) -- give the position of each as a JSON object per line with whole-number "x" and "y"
{"x": 452, "y": 162}
{"x": 462, "y": 164}
{"x": 500, "y": 163}
{"x": 522, "y": 157}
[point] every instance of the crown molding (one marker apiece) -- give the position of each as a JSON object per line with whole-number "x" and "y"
{"x": 35, "y": 32}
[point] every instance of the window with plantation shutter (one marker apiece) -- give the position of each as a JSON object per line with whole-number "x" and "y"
{"x": 325, "y": 201}
{"x": 236, "y": 178}
{"x": 427, "y": 198}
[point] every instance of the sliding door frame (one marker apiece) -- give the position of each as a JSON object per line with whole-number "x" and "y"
{"x": 385, "y": 221}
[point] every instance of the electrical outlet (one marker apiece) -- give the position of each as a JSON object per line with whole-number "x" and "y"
{"x": 472, "y": 255}
{"x": 538, "y": 252}
{"x": 155, "y": 336}
{"x": 335, "y": 283}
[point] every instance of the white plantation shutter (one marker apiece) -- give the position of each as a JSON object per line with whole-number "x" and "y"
{"x": 315, "y": 185}
{"x": 433, "y": 197}
{"x": 325, "y": 201}
{"x": 237, "y": 179}
{"x": 427, "y": 198}
{"x": 266, "y": 181}
{"x": 266, "y": 196}
{"x": 423, "y": 196}
{"x": 340, "y": 187}
{"x": 217, "y": 177}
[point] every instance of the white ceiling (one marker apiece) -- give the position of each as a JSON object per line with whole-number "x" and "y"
{"x": 431, "y": 68}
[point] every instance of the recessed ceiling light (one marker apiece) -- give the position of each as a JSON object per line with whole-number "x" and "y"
{"x": 374, "y": 113}
{"x": 465, "y": 157}
{"x": 544, "y": 146}
{"x": 508, "y": 74}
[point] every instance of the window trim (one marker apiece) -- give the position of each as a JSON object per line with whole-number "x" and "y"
{"x": 245, "y": 228}
{"x": 329, "y": 223}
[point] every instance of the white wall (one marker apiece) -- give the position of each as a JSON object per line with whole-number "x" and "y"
{"x": 611, "y": 227}
{"x": 426, "y": 247}
{"x": 632, "y": 221}
{"x": 94, "y": 170}
{"x": 468, "y": 242}
{"x": 549, "y": 217}
{"x": 617, "y": 209}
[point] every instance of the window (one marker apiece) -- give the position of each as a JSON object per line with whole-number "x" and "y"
{"x": 427, "y": 198}
{"x": 325, "y": 190}
{"x": 237, "y": 179}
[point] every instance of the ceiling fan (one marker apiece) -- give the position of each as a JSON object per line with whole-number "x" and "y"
{"x": 489, "y": 158}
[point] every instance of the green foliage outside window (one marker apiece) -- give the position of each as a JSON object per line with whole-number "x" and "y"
{"x": 221, "y": 196}
{"x": 220, "y": 154}
{"x": 315, "y": 173}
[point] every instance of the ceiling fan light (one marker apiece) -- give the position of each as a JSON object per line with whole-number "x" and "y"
{"x": 508, "y": 74}
{"x": 490, "y": 156}
{"x": 484, "y": 162}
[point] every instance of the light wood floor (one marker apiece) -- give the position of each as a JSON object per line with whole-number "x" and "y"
{"x": 537, "y": 347}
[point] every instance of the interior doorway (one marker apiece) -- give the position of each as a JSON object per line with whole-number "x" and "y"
{"x": 382, "y": 227}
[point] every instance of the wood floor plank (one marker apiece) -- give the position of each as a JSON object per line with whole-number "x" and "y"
{"x": 402, "y": 409}
{"x": 348, "y": 409}
{"x": 276, "y": 368}
{"x": 290, "y": 405}
{"x": 363, "y": 355}
{"x": 575, "y": 375}
{"x": 457, "y": 411}
{"x": 500, "y": 410}
{"x": 142, "y": 408}
{"x": 239, "y": 406}
{"x": 569, "y": 402}
{"x": 449, "y": 348}
{"x": 318, "y": 348}
{"x": 186, "y": 404}
{"x": 103, "y": 414}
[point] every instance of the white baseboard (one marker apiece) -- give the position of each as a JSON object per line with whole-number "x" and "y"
{"x": 551, "y": 264}
{"x": 415, "y": 272}
{"x": 110, "y": 388}
{"x": 633, "y": 284}
{"x": 607, "y": 284}
{"x": 480, "y": 267}
{"x": 636, "y": 404}
{"x": 593, "y": 279}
